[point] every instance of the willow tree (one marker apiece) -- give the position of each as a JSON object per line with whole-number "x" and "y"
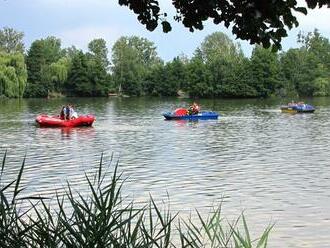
{"x": 13, "y": 74}
{"x": 56, "y": 74}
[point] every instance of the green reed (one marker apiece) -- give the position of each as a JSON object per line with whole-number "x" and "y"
{"x": 104, "y": 219}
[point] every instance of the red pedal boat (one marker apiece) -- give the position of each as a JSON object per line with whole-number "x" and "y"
{"x": 56, "y": 121}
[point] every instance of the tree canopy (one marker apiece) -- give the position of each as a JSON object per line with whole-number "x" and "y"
{"x": 258, "y": 21}
{"x": 131, "y": 58}
{"x": 41, "y": 55}
{"x": 219, "y": 45}
{"x": 99, "y": 51}
{"x": 11, "y": 41}
{"x": 218, "y": 68}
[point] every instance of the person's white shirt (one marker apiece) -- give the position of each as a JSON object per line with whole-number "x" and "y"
{"x": 74, "y": 114}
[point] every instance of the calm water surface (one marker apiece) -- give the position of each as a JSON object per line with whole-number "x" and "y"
{"x": 274, "y": 166}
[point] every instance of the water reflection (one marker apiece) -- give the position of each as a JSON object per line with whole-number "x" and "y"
{"x": 185, "y": 123}
{"x": 49, "y": 134}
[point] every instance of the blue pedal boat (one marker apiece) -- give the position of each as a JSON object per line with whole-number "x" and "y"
{"x": 204, "y": 115}
{"x": 298, "y": 108}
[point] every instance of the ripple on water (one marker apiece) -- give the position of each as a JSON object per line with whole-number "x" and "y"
{"x": 273, "y": 165}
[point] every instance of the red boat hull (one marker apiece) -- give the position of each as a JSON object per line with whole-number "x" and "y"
{"x": 55, "y": 121}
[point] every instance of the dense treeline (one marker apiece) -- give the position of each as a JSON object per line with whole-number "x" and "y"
{"x": 218, "y": 68}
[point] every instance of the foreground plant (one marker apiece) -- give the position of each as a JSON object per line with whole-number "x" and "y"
{"x": 12, "y": 227}
{"x": 104, "y": 219}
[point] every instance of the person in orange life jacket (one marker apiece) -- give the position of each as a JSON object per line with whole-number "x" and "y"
{"x": 194, "y": 109}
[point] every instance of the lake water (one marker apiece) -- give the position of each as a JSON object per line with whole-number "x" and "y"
{"x": 275, "y": 166}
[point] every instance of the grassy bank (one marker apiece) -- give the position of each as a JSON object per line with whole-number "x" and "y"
{"x": 104, "y": 219}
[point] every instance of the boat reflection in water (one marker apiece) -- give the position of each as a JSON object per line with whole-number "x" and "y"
{"x": 65, "y": 132}
{"x": 83, "y": 132}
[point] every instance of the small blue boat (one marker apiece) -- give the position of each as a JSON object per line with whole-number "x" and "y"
{"x": 298, "y": 108}
{"x": 204, "y": 115}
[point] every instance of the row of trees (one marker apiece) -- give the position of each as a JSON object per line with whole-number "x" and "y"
{"x": 52, "y": 69}
{"x": 218, "y": 68}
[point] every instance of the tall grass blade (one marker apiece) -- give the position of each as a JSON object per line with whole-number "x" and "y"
{"x": 16, "y": 190}
{"x": 246, "y": 229}
{"x": 100, "y": 169}
{"x": 7, "y": 186}
{"x": 204, "y": 225}
{"x": 262, "y": 243}
{"x": 3, "y": 163}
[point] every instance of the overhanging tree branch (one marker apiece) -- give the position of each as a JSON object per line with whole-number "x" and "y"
{"x": 262, "y": 22}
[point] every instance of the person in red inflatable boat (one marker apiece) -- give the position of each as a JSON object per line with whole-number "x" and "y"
{"x": 68, "y": 113}
{"x": 63, "y": 113}
{"x": 72, "y": 113}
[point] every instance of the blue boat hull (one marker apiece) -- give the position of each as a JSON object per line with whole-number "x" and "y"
{"x": 199, "y": 116}
{"x": 303, "y": 108}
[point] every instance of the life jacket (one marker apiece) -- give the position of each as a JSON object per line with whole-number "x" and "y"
{"x": 195, "y": 108}
{"x": 67, "y": 112}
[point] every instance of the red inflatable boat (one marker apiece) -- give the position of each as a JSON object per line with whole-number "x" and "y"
{"x": 56, "y": 121}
